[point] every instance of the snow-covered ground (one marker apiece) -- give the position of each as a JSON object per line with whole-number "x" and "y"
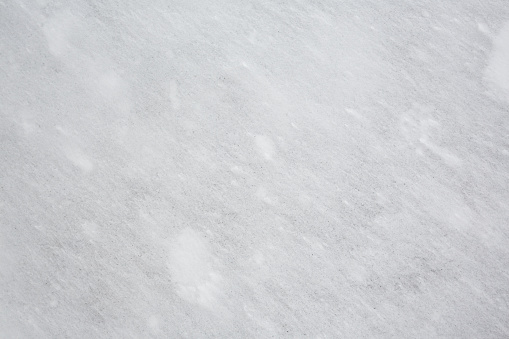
{"x": 254, "y": 169}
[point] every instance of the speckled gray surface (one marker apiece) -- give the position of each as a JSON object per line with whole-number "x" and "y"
{"x": 254, "y": 169}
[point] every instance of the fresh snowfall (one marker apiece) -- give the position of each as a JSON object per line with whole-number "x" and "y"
{"x": 254, "y": 169}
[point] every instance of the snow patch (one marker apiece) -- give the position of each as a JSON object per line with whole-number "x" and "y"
{"x": 90, "y": 229}
{"x": 265, "y": 146}
{"x": 110, "y": 84}
{"x": 460, "y": 216}
{"x": 79, "y": 159}
{"x": 447, "y": 156}
{"x": 191, "y": 267}
{"x": 57, "y": 32}
{"x": 418, "y": 130}
{"x": 174, "y": 95}
{"x": 259, "y": 258}
{"x": 153, "y": 323}
{"x": 263, "y": 194}
{"x": 354, "y": 113}
{"x": 497, "y": 72}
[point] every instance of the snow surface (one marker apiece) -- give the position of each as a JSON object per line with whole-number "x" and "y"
{"x": 254, "y": 169}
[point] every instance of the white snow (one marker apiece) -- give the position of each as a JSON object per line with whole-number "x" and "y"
{"x": 191, "y": 267}
{"x": 79, "y": 159}
{"x": 58, "y": 30}
{"x": 265, "y": 146}
{"x": 497, "y": 71}
{"x": 254, "y": 169}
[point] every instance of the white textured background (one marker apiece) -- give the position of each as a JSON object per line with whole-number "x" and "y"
{"x": 254, "y": 169}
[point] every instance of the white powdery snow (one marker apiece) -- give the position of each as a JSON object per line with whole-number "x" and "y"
{"x": 497, "y": 72}
{"x": 254, "y": 169}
